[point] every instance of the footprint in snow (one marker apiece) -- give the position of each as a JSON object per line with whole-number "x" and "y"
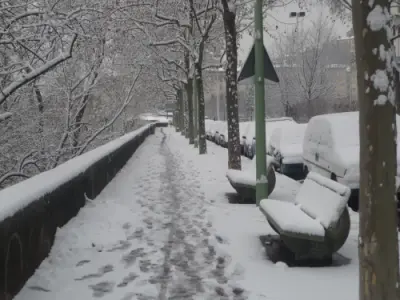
{"x": 102, "y": 288}
{"x": 130, "y": 258}
{"x": 128, "y": 279}
{"x": 39, "y": 289}
{"x": 122, "y": 245}
{"x": 103, "y": 270}
{"x": 82, "y": 262}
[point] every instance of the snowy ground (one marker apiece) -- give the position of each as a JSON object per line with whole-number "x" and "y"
{"x": 164, "y": 229}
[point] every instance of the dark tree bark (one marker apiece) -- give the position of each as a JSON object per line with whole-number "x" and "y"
{"x": 189, "y": 92}
{"x": 82, "y": 109}
{"x": 189, "y": 85}
{"x": 232, "y": 107}
{"x": 186, "y": 116}
{"x": 397, "y": 83}
{"x": 378, "y": 245}
{"x": 40, "y": 104}
{"x": 177, "y": 113}
{"x": 201, "y": 108}
{"x": 181, "y": 112}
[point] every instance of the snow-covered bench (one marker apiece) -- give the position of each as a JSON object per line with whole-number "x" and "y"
{"x": 317, "y": 224}
{"x": 244, "y": 182}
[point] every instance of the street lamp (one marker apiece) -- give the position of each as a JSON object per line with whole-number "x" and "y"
{"x": 297, "y": 15}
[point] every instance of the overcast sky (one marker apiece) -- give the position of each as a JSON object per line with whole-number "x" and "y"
{"x": 280, "y": 17}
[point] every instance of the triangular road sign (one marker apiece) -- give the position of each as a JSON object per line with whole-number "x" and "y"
{"x": 248, "y": 69}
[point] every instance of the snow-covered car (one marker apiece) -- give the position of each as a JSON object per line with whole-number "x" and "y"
{"x": 209, "y": 124}
{"x": 251, "y": 148}
{"x": 331, "y": 147}
{"x": 286, "y": 146}
{"x": 221, "y": 127}
{"x": 223, "y": 136}
{"x": 270, "y": 125}
{"x": 215, "y": 129}
{"x": 223, "y": 140}
{"x": 244, "y": 128}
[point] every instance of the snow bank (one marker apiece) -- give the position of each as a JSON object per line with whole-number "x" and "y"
{"x": 20, "y": 195}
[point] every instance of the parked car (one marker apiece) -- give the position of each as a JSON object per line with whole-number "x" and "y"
{"x": 286, "y": 146}
{"x": 223, "y": 139}
{"x": 270, "y": 125}
{"x": 217, "y": 127}
{"x": 209, "y": 125}
{"x": 331, "y": 148}
{"x": 250, "y": 140}
{"x": 244, "y": 128}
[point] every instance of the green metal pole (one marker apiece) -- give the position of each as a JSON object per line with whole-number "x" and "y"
{"x": 261, "y": 167}
{"x": 195, "y": 114}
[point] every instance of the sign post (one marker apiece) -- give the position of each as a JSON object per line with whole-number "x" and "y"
{"x": 261, "y": 165}
{"x": 195, "y": 114}
{"x": 259, "y": 65}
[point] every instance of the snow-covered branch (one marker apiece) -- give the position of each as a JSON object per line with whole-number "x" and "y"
{"x": 10, "y": 175}
{"x": 127, "y": 100}
{"x": 11, "y": 88}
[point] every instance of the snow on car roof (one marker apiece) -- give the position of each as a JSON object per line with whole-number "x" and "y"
{"x": 293, "y": 133}
{"x": 345, "y": 127}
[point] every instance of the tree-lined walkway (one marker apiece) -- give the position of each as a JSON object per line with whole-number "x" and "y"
{"x": 146, "y": 236}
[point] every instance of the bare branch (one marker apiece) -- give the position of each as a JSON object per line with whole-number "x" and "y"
{"x": 6, "y": 92}
{"x": 111, "y": 122}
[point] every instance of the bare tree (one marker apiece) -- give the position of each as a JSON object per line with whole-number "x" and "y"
{"x": 237, "y": 18}
{"x": 378, "y": 244}
{"x": 79, "y": 105}
{"x": 204, "y": 15}
{"x": 303, "y": 69}
{"x": 234, "y": 149}
{"x": 312, "y": 76}
{"x": 34, "y": 38}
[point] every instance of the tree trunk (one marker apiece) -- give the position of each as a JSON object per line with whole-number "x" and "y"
{"x": 378, "y": 245}
{"x": 201, "y": 109}
{"x": 397, "y": 85}
{"x": 181, "y": 112}
{"x": 177, "y": 114}
{"x": 186, "y": 117}
{"x": 196, "y": 115}
{"x": 189, "y": 92}
{"x": 39, "y": 99}
{"x": 232, "y": 107}
{"x": 175, "y": 120}
{"x": 77, "y": 127}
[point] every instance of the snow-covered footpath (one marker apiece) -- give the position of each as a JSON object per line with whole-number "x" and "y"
{"x": 164, "y": 229}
